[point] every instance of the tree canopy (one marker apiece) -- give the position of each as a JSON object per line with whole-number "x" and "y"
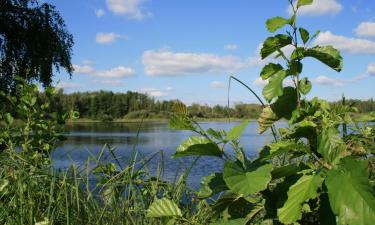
{"x": 34, "y": 42}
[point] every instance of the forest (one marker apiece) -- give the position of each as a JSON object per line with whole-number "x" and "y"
{"x": 108, "y": 106}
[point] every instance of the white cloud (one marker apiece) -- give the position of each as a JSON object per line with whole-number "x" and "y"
{"x": 99, "y": 13}
{"x": 114, "y": 83}
{"x": 116, "y": 72}
{"x": 323, "y": 80}
{"x": 371, "y": 69}
{"x": 260, "y": 82}
{"x": 365, "y": 29}
{"x": 106, "y": 38}
{"x": 68, "y": 85}
{"x": 154, "y": 92}
{"x": 319, "y": 8}
{"x": 217, "y": 84}
{"x": 164, "y": 62}
{"x": 350, "y": 45}
{"x": 132, "y": 9}
{"x": 230, "y": 47}
{"x": 83, "y": 69}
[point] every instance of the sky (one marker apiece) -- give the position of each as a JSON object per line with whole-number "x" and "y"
{"x": 188, "y": 49}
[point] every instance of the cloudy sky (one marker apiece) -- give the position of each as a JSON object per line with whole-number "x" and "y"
{"x": 187, "y": 49}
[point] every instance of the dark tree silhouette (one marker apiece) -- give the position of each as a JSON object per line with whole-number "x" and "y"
{"x": 34, "y": 42}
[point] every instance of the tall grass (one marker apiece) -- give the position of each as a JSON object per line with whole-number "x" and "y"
{"x": 112, "y": 191}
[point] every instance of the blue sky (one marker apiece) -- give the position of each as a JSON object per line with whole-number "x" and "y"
{"x": 188, "y": 49}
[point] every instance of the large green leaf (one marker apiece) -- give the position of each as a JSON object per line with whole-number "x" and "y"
{"x": 266, "y": 119}
{"x": 237, "y": 131}
{"x": 304, "y": 2}
{"x": 286, "y": 103}
{"x": 327, "y": 55}
{"x": 269, "y": 70}
{"x": 330, "y": 145}
{"x": 276, "y": 23}
{"x": 274, "y": 88}
{"x": 305, "y": 189}
{"x": 163, "y": 208}
{"x": 197, "y": 145}
{"x": 350, "y": 193}
{"x": 212, "y": 185}
{"x": 272, "y": 44}
{"x": 247, "y": 181}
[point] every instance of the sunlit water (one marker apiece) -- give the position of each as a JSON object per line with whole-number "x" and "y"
{"x": 89, "y": 138}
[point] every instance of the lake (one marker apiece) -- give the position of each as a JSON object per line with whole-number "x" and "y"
{"x": 89, "y": 138}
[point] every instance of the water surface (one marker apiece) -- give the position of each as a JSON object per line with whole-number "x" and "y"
{"x": 89, "y": 138}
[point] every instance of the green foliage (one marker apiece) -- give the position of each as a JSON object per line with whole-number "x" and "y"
{"x": 274, "y": 88}
{"x": 327, "y": 55}
{"x": 304, "y": 189}
{"x": 249, "y": 180}
{"x": 274, "y": 44}
{"x": 350, "y": 193}
{"x": 276, "y": 23}
{"x": 34, "y": 43}
{"x": 312, "y": 173}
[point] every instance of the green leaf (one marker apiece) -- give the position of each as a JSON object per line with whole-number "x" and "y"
{"x": 274, "y": 88}
{"x": 212, "y": 185}
{"x": 197, "y": 145}
{"x": 315, "y": 35}
{"x": 285, "y": 146}
{"x": 304, "y": 35}
{"x": 305, "y": 86}
{"x": 9, "y": 119}
{"x": 163, "y": 208}
{"x": 272, "y": 44}
{"x": 180, "y": 122}
{"x": 269, "y": 70}
{"x": 305, "y": 189}
{"x": 286, "y": 103}
{"x": 266, "y": 119}
{"x": 327, "y": 55}
{"x": 350, "y": 193}
{"x": 330, "y": 145}
{"x": 249, "y": 181}
{"x": 276, "y": 23}
{"x": 240, "y": 221}
{"x": 3, "y": 184}
{"x": 237, "y": 131}
{"x": 304, "y": 2}
{"x": 288, "y": 170}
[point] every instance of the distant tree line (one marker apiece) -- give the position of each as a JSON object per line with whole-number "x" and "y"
{"x": 107, "y": 105}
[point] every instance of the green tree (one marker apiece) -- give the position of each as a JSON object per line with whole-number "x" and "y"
{"x": 34, "y": 42}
